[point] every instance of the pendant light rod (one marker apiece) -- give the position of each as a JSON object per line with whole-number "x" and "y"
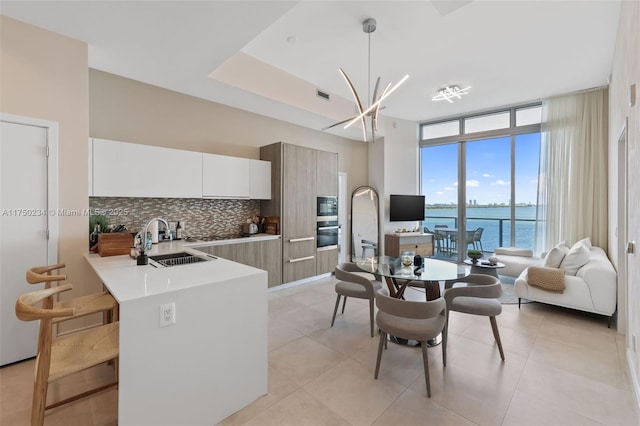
{"x": 368, "y": 26}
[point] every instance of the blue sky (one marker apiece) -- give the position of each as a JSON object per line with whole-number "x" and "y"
{"x": 488, "y": 171}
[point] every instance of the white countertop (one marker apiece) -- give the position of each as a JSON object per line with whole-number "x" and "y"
{"x": 252, "y": 238}
{"x": 127, "y": 281}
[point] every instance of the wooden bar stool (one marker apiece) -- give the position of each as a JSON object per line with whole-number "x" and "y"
{"x": 66, "y": 355}
{"x": 82, "y": 305}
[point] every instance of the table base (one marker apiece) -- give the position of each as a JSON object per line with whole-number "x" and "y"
{"x": 414, "y": 343}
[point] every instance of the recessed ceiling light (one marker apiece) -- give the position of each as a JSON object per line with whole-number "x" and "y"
{"x": 449, "y": 92}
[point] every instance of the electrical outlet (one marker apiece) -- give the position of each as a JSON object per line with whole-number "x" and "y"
{"x": 167, "y": 314}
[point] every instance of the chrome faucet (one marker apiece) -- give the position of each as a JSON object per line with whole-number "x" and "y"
{"x": 142, "y": 258}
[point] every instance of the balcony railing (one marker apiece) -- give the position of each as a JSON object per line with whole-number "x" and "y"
{"x": 496, "y": 233}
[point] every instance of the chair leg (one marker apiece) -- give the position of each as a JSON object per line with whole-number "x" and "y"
{"x": 383, "y": 338}
{"x": 344, "y": 302}
{"x": 519, "y": 300}
{"x": 445, "y": 331}
{"x": 496, "y": 335}
{"x": 40, "y": 386}
{"x": 425, "y": 361}
{"x": 371, "y": 315}
{"x": 335, "y": 310}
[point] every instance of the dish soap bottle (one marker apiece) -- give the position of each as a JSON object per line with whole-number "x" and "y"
{"x": 178, "y": 231}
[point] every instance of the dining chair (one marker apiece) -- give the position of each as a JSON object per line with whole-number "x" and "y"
{"x": 470, "y": 239}
{"x": 369, "y": 245}
{"x": 82, "y": 305}
{"x": 354, "y": 283}
{"x": 66, "y": 355}
{"x": 438, "y": 239}
{"x": 477, "y": 239}
{"x": 411, "y": 320}
{"x": 444, "y": 236}
{"x": 475, "y": 294}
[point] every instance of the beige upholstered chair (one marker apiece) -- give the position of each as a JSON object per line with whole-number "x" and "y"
{"x": 82, "y": 305}
{"x": 475, "y": 294}
{"x": 411, "y": 320}
{"x": 353, "y": 283}
{"x": 66, "y": 355}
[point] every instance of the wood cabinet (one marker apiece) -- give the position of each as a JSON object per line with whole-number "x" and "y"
{"x": 225, "y": 177}
{"x": 121, "y": 169}
{"x": 326, "y": 261}
{"x": 419, "y": 244}
{"x": 264, "y": 255}
{"x": 299, "y": 175}
{"x": 326, "y": 173}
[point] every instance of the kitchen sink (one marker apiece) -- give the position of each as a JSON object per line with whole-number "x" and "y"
{"x": 177, "y": 259}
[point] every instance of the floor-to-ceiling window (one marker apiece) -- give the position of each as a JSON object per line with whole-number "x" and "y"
{"x": 496, "y": 156}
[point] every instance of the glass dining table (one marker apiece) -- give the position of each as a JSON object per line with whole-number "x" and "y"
{"x": 398, "y": 276}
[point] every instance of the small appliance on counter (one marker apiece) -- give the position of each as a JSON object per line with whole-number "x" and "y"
{"x": 250, "y": 228}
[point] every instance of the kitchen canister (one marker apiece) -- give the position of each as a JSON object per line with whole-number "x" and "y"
{"x": 153, "y": 229}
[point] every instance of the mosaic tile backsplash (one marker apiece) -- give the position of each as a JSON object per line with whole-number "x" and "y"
{"x": 198, "y": 217}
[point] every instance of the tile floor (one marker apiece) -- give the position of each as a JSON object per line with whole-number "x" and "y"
{"x": 562, "y": 368}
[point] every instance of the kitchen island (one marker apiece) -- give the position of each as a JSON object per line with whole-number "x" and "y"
{"x": 211, "y": 362}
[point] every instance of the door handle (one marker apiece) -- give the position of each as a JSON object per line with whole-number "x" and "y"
{"x": 297, "y": 240}
{"x": 301, "y": 259}
{"x": 631, "y": 247}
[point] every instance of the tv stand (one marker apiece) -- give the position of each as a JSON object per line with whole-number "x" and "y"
{"x": 419, "y": 243}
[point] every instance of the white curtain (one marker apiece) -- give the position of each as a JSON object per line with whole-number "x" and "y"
{"x": 572, "y": 186}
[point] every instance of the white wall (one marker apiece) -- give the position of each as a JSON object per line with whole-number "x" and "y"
{"x": 625, "y": 72}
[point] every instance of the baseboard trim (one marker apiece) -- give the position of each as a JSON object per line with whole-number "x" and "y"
{"x": 299, "y": 282}
{"x": 634, "y": 376}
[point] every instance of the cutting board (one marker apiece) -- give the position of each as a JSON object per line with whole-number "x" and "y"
{"x": 272, "y": 225}
{"x": 114, "y": 244}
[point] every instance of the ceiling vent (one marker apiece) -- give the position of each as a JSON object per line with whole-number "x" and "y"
{"x": 323, "y": 95}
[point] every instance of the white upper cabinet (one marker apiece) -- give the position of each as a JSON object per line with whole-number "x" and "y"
{"x": 225, "y": 177}
{"x": 260, "y": 183}
{"x": 123, "y": 169}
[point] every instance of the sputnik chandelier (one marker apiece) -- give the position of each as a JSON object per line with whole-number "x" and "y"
{"x": 368, "y": 26}
{"x": 449, "y": 92}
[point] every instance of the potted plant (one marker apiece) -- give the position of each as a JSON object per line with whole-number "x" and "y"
{"x": 474, "y": 255}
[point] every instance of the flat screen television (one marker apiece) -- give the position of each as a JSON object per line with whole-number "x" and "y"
{"x": 404, "y": 208}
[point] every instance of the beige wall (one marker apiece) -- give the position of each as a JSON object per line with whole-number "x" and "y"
{"x": 626, "y": 71}
{"x": 44, "y": 76}
{"x": 130, "y": 111}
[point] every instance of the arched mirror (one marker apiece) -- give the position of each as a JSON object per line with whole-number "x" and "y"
{"x": 364, "y": 223}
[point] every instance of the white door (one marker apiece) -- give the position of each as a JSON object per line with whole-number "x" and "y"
{"x": 25, "y": 200}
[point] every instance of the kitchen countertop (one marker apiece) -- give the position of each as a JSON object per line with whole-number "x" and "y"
{"x": 127, "y": 281}
{"x": 248, "y": 239}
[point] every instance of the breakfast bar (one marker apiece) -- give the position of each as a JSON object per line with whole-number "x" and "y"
{"x": 209, "y": 359}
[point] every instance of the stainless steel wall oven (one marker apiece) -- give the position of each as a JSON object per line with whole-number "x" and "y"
{"x": 327, "y": 232}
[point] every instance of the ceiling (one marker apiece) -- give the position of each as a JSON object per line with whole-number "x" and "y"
{"x": 269, "y": 57}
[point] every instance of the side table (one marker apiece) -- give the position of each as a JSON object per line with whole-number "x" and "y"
{"x": 484, "y": 268}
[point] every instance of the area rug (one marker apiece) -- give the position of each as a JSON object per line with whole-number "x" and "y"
{"x": 509, "y": 296}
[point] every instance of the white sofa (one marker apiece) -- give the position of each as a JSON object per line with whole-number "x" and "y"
{"x": 593, "y": 288}
{"x": 515, "y": 260}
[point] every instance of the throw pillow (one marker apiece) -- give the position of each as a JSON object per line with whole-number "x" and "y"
{"x": 546, "y": 278}
{"x": 555, "y": 256}
{"x": 575, "y": 259}
{"x": 585, "y": 241}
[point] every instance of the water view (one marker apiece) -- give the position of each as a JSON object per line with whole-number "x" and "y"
{"x": 494, "y": 220}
